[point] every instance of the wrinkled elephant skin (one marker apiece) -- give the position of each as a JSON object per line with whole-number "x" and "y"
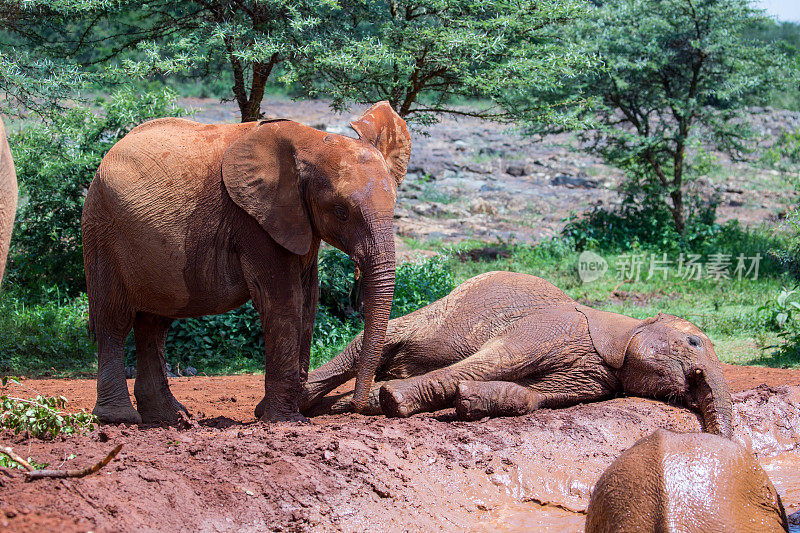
{"x": 505, "y": 344}
{"x": 689, "y": 482}
{"x": 8, "y": 198}
{"x": 186, "y": 219}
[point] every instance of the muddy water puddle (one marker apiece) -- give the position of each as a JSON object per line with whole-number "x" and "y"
{"x": 537, "y": 497}
{"x": 784, "y": 471}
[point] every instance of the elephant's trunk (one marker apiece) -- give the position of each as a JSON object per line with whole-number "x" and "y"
{"x": 378, "y": 281}
{"x": 716, "y": 406}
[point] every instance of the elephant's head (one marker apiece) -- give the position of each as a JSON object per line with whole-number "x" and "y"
{"x": 300, "y": 183}
{"x": 668, "y": 358}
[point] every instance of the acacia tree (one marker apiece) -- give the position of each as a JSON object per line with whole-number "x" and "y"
{"x": 128, "y": 38}
{"x": 678, "y": 75}
{"x": 427, "y": 56}
{"x": 31, "y": 80}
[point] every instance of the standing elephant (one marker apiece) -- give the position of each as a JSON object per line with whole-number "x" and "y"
{"x": 505, "y": 344}
{"x": 186, "y": 219}
{"x": 689, "y": 482}
{"x": 8, "y": 198}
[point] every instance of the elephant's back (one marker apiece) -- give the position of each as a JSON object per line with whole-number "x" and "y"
{"x": 689, "y": 482}
{"x": 512, "y": 290}
{"x": 168, "y": 151}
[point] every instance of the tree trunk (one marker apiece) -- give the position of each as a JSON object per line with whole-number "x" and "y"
{"x": 676, "y": 209}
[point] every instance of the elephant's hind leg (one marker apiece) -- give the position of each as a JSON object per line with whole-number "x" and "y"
{"x": 154, "y": 400}
{"x": 437, "y": 389}
{"x": 113, "y": 399}
{"x": 479, "y": 399}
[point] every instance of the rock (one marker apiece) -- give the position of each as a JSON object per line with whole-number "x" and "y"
{"x": 130, "y": 372}
{"x": 575, "y": 182}
{"x": 516, "y": 170}
{"x": 481, "y": 206}
{"x": 190, "y": 371}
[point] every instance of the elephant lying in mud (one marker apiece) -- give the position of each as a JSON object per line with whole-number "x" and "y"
{"x": 505, "y": 344}
{"x": 685, "y": 482}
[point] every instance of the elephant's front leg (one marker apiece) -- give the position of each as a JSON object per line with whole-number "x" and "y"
{"x": 437, "y": 389}
{"x": 310, "y": 300}
{"x": 280, "y": 306}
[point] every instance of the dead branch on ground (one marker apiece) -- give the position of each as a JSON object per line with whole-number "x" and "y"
{"x": 32, "y": 473}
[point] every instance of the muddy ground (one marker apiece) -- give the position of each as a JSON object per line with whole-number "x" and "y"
{"x": 349, "y": 472}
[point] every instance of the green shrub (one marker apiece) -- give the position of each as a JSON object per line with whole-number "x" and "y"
{"x": 49, "y": 338}
{"x": 641, "y": 221}
{"x": 41, "y": 416}
{"x": 55, "y": 163}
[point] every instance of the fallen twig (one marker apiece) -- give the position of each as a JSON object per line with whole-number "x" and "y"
{"x": 33, "y": 473}
{"x": 39, "y": 474}
{"x": 16, "y": 458}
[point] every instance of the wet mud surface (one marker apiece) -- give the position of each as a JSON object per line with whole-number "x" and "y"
{"x": 226, "y": 472}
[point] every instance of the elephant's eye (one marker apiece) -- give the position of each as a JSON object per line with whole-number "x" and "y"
{"x": 694, "y": 341}
{"x": 341, "y": 212}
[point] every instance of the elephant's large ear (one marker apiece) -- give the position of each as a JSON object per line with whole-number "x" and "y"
{"x": 261, "y": 175}
{"x": 383, "y": 128}
{"x": 611, "y": 333}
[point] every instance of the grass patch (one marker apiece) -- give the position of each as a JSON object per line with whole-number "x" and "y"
{"x": 51, "y": 339}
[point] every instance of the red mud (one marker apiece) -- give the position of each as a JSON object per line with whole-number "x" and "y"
{"x": 353, "y": 472}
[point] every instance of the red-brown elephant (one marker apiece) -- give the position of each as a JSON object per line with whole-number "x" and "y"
{"x": 8, "y": 198}
{"x": 186, "y": 219}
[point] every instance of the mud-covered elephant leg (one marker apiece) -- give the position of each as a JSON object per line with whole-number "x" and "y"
{"x": 479, "y": 399}
{"x": 280, "y": 306}
{"x": 154, "y": 400}
{"x": 438, "y": 389}
{"x": 111, "y": 324}
{"x": 310, "y": 301}
{"x": 310, "y": 281}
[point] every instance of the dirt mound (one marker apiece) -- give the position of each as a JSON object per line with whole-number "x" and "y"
{"x": 364, "y": 473}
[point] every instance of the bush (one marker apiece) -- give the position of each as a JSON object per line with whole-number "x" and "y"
{"x": 646, "y": 223}
{"x": 48, "y": 338}
{"x": 42, "y": 416}
{"x": 55, "y": 163}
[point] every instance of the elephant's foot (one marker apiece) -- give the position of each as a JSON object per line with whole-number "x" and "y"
{"x": 277, "y": 415}
{"x": 396, "y": 400}
{"x": 478, "y": 399}
{"x": 164, "y": 408}
{"x": 118, "y": 413}
{"x": 271, "y": 415}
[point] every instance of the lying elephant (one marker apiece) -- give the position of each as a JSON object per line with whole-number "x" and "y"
{"x": 504, "y": 344}
{"x": 685, "y": 482}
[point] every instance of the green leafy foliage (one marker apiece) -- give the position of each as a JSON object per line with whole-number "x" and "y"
{"x": 427, "y": 56}
{"x": 56, "y": 162}
{"x": 45, "y": 338}
{"x": 784, "y": 154}
{"x": 678, "y": 78}
{"x": 780, "y": 311}
{"x": 42, "y": 416}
